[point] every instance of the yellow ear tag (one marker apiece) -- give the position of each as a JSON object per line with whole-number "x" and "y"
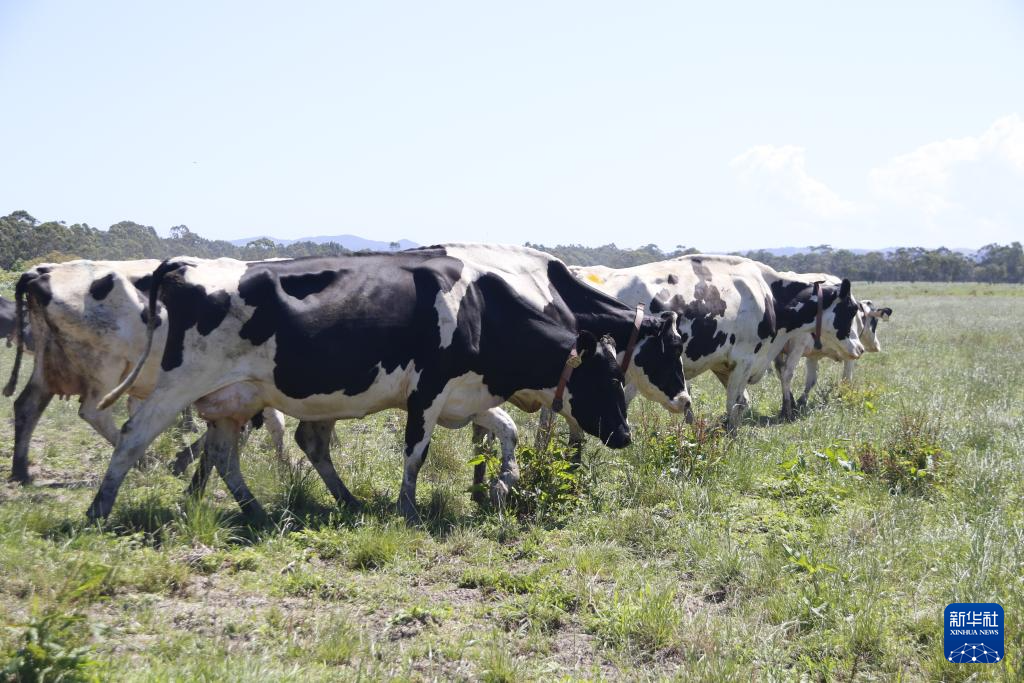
{"x": 595, "y": 279}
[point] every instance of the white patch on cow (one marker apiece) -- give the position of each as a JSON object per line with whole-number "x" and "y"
{"x": 466, "y": 395}
{"x": 524, "y": 269}
{"x": 447, "y": 305}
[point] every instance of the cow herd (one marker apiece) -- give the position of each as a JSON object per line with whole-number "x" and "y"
{"x": 446, "y": 333}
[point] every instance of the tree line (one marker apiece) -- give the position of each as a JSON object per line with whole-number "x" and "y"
{"x": 991, "y": 263}
{"x": 25, "y": 241}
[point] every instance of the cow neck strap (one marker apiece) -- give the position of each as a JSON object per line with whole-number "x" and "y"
{"x": 571, "y": 363}
{"x": 634, "y": 336}
{"x": 817, "y": 318}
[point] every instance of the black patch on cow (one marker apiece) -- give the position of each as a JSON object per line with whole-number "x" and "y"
{"x": 143, "y": 283}
{"x": 99, "y": 289}
{"x": 732, "y": 338}
{"x": 188, "y": 305}
{"x": 768, "y": 327}
{"x": 702, "y": 310}
{"x": 43, "y": 270}
{"x": 672, "y": 279}
{"x": 212, "y": 312}
{"x": 758, "y": 347}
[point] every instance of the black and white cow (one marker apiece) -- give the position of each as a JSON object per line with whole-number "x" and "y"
{"x": 90, "y": 323}
{"x": 803, "y": 347}
{"x": 445, "y": 333}
{"x": 735, "y": 314}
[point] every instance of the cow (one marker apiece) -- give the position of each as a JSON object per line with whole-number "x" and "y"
{"x": 735, "y": 314}
{"x": 7, "y": 324}
{"x": 446, "y": 333}
{"x": 89, "y": 319}
{"x": 803, "y": 347}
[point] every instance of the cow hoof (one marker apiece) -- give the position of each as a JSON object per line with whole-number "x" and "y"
{"x": 499, "y": 494}
{"x": 353, "y": 505}
{"x": 408, "y": 510}
{"x": 97, "y": 512}
{"x": 23, "y": 478}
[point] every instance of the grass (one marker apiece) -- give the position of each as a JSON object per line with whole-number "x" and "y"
{"x": 823, "y": 549}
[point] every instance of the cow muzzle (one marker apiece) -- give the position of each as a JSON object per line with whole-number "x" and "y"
{"x": 620, "y": 438}
{"x": 853, "y": 350}
{"x": 680, "y": 404}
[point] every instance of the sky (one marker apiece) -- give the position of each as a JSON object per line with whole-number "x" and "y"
{"x": 724, "y": 126}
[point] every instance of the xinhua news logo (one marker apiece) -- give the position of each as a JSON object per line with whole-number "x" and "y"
{"x": 973, "y": 633}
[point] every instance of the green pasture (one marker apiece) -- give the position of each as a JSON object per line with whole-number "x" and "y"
{"x": 822, "y": 549}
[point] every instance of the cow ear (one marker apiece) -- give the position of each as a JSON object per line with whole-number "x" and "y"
{"x": 886, "y": 312}
{"x": 844, "y": 289}
{"x": 586, "y": 344}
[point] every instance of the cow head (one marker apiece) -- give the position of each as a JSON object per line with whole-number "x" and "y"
{"x": 842, "y": 322}
{"x": 596, "y": 400}
{"x": 871, "y": 315}
{"x": 656, "y": 368}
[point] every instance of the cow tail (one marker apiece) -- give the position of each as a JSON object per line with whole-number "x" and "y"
{"x": 151, "y": 323}
{"x": 19, "y": 327}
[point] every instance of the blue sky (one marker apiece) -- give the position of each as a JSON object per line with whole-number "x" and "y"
{"x": 717, "y": 125}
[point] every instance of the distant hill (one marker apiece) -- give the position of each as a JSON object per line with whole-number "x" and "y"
{"x": 351, "y": 242}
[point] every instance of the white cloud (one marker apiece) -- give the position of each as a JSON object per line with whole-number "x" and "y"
{"x": 929, "y": 178}
{"x": 780, "y": 173}
{"x": 959, "y": 192}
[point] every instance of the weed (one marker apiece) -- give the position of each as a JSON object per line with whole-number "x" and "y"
{"x": 373, "y": 546}
{"x": 644, "y": 620}
{"x": 549, "y": 485}
{"x": 47, "y": 651}
{"x": 339, "y": 643}
{"x": 497, "y": 664}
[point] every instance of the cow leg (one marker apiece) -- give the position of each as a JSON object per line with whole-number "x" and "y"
{"x": 809, "y": 381}
{"x": 545, "y": 429}
{"x": 273, "y": 421}
{"x": 501, "y": 425}
{"x": 137, "y": 434}
{"x": 28, "y": 408}
{"x": 419, "y": 427}
{"x": 100, "y": 420}
{"x": 576, "y": 439}
{"x": 483, "y": 444}
{"x": 222, "y": 446}
{"x": 201, "y": 476}
{"x": 848, "y": 368}
{"x": 314, "y": 438}
{"x": 688, "y": 413}
{"x": 786, "y": 373}
{"x": 187, "y": 454}
{"x": 735, "y": 397}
